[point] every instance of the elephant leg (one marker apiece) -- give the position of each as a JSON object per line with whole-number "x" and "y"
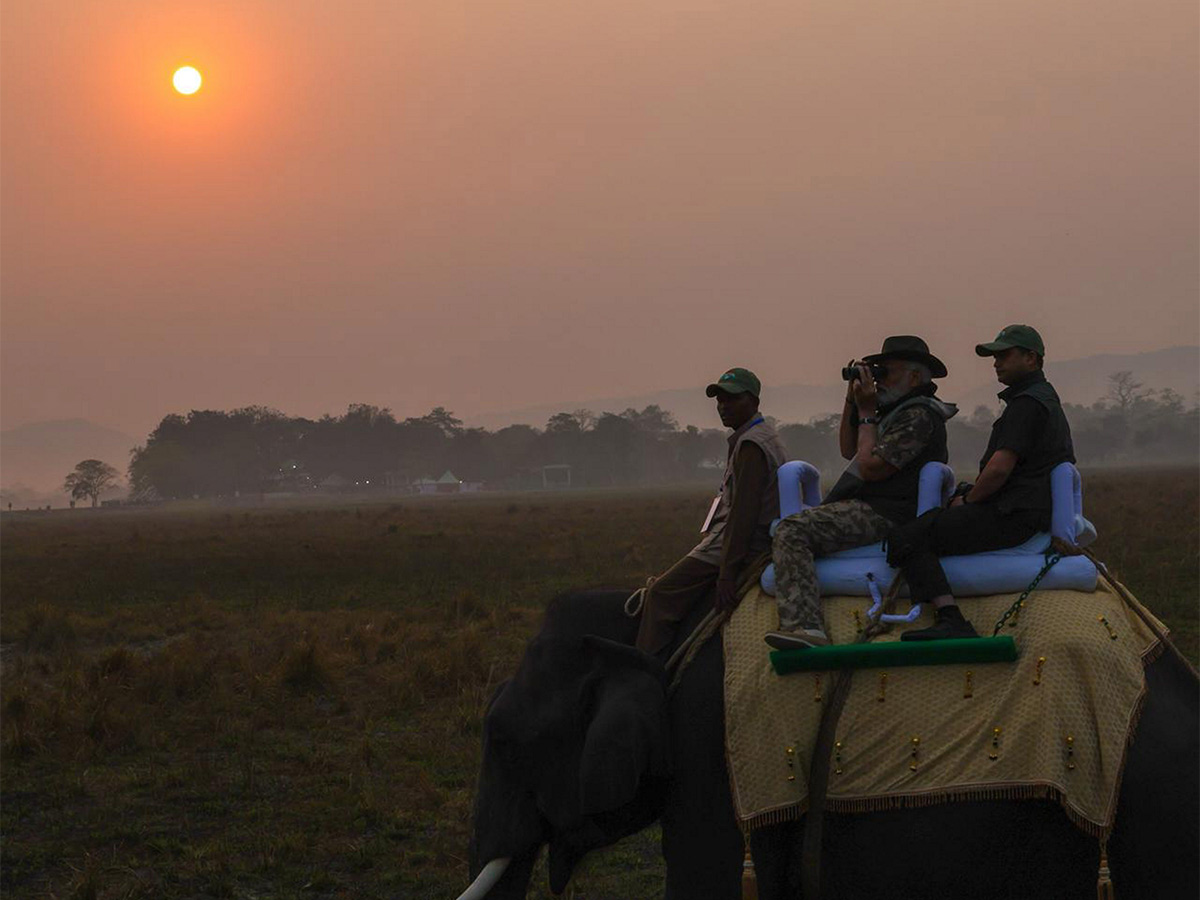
{"x": 702, "y": 844}
{"x": 776, "y": 852}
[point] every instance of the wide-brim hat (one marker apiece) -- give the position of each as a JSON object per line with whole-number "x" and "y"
{"x": 909, "y": 347}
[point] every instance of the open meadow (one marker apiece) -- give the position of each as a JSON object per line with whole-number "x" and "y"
{"x": 206, "y": 701}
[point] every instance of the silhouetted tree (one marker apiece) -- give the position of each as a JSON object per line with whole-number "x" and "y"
{"x": 90, "y": 479}
{"x": 212, "y": 453}
{"x": 1123, "y": 391}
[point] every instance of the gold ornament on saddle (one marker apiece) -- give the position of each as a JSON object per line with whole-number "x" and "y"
{"x": 995, "y": 752}
{"x": 1103, "y": 620}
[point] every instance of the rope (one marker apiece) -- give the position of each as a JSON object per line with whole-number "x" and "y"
{"x": 710, "y": 625}
{"x": 1142, "y": 614}
{"x": 638, "y": 598}
{"x": 686, "y": 652}
{"x": 636, "y": 610}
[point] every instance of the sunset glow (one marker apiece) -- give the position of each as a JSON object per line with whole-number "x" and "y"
{"x": 359, "y": 192}
{"x": 186, "y": 80}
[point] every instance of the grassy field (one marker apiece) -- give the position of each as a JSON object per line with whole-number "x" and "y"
{"x": 228, "y": 702}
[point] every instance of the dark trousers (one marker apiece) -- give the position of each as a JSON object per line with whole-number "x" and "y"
{"x": 914, "y": 547}
{"x": 669, "y": 600}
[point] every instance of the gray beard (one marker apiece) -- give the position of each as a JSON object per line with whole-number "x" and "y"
{"x": 884, "y": 396}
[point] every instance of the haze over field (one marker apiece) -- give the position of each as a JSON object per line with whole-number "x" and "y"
{"x": 495, "y": 206}
{"x": 34, "y": 457}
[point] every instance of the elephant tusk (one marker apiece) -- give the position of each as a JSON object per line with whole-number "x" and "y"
{"x": 486, "y": 879}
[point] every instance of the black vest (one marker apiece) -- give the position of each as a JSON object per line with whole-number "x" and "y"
{"x": 895, "y": 498}
{"x": 1028, "y": 487}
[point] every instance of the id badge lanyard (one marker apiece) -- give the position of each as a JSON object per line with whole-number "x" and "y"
{"x": 712, "y": 510}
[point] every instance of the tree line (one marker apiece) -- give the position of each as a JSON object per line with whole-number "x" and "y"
{"x": 209, "y": 453}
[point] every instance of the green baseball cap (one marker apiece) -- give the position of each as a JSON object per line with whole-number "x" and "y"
{"x": 1023, "y": 336}
{"x": 735, "y": 381}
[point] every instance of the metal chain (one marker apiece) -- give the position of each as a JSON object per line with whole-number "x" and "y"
{"x": 1051, "y": 559}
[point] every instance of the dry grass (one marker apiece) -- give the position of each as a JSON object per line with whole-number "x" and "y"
{"x": 278, "y": 703}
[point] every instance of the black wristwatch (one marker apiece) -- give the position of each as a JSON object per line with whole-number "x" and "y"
{"x": 869, "y": 420}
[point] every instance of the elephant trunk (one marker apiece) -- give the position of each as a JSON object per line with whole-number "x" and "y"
{"x": 486, "y": 879}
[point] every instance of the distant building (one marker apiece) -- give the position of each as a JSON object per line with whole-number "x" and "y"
{"x": 449, "y": 483}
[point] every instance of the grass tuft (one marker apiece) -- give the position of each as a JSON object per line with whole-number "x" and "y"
{"x": 304, "y": 669}
{"x": 46, "y": 629}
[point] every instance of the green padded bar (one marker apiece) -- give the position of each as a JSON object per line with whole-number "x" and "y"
{"x": 895, "y": 653}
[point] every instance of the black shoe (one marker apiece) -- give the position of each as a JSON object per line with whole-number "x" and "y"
{"x": 943, "y": 628}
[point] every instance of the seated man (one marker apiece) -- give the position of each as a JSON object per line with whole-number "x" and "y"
{"x": 1009, "y": 501}
{"x": 891, "y": 426}
{"x": 738, "y": 523}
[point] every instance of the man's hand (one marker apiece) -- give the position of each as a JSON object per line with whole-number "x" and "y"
{"x": 727, "y": 597}
{"x": 957, "y": 500}
{"x": 850, "y": 383}
{"x": 864, "y": 391}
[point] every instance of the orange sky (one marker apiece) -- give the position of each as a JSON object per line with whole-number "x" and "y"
{"x": 488, "y": 206}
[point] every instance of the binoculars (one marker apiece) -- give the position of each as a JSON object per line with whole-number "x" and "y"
{"x": 850, "y": 373}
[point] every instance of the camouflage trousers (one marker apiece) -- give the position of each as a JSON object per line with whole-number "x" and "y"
{"x": 814, "y": 532}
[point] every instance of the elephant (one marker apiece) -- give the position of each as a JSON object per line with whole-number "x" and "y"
{"x": 583, "y": 747}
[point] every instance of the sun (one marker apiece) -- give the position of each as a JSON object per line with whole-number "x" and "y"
{"x": 186, "y": 80}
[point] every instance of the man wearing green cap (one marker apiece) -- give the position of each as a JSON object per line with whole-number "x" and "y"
{"x": 892, "y": 424}
{"x": 738, "y": 525}
{"x": 1009, "y": 501}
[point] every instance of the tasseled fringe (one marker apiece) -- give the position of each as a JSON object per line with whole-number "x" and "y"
{"x": 1153, "y": 652}
{"x": 1104, "y": 885}
{"x": 749, "y": 878}
{"x": 932, "y": 798}
{"x": 995, "y": 792}
{"x": 773, "y": 817}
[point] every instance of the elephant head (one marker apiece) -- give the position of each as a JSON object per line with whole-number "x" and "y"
{"x": 574, "y": 756}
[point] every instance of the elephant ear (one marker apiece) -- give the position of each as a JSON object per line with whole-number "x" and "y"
{"x": 627, "y": 732}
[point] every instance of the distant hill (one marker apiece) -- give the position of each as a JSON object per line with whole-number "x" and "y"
{"x": 1085, "y": 380}
{"x": 39, "y": 455}
{"x": 1082, "y": 380}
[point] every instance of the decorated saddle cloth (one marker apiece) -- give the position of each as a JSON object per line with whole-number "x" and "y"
{"x": 1053, "y": 724}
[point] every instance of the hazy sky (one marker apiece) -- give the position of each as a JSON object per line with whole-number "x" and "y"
{"x": 487, "y": 205}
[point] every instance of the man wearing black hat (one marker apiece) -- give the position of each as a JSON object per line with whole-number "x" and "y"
{"x": 738, "y": 525}
{"x": 1009, "y": 501}
{"x": 892, "y": 424}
